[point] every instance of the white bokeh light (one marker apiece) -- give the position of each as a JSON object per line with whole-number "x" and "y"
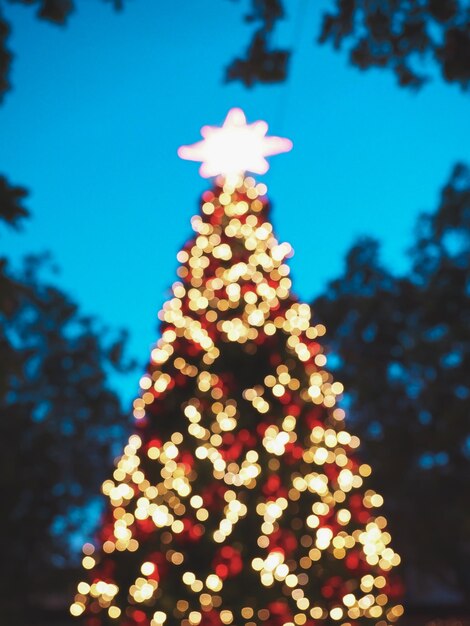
{"x": 234, "y": 148}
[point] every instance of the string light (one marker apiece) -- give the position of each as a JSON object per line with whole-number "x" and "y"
{"x": 239, "y": 499}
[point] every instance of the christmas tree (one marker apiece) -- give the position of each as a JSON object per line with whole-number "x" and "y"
{"x": 239, "y": 498}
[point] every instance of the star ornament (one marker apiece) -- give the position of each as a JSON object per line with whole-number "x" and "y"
{"x": 234, "y": 148}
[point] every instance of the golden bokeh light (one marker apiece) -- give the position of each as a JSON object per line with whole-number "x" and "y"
{"x": 239, "y": 499}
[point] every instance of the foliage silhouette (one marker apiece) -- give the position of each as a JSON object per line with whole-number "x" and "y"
{"x": 12, "y": 210}
{"x": 403, "y": 350}
{"x": 59, "y": 422}
{"x": 391, "y": 34}
{"x": 262, "y": 64}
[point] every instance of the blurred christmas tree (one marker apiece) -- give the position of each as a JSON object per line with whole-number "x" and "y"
{"x": 239, "y": 499}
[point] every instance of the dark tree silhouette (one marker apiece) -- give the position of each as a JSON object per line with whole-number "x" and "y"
{"x": 12, "y": 210}
{"x": 391, "y": 34}
{"x": 403, "y": 350}
{"x": 5, "y": 57}
{"x": 262, "y": 63}
{"x": 59, "y": 420}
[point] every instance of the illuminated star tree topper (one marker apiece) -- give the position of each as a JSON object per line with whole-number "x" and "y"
{"x": 235, "y": 147}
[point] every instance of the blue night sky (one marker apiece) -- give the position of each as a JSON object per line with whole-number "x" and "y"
{"x": 100, "y": 107}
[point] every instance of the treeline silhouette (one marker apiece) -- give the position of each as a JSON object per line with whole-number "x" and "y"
{"x": 402, "y": 349}
{"x": 60, "y": 424}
